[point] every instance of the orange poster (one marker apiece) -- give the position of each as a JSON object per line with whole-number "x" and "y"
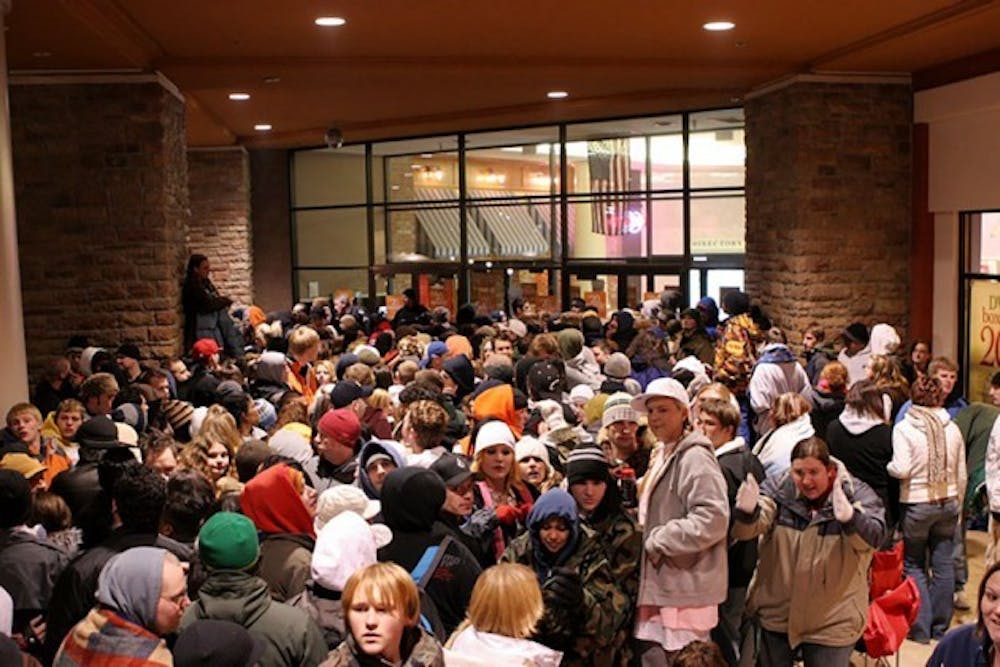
{"x": 598, "y": 300}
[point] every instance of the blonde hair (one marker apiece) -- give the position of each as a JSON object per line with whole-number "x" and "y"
{"x": 789, "y": 407}
{"x": 885, "y": 373}
{"x": 835, "y": 374}
{"x": 220, "y": 426}
{"x": 330, "y": 368}
{"x": 23, "y": 408}
{"x": 513, "y": 477}
{"x": 360, "y": 373}
{"x": 385, "y": 584}
{"x": 506, "y": 600}
{"x": 380, "y": 399}
{"x": 301, "y": 339}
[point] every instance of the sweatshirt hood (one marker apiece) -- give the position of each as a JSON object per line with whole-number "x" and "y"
{"x": 370, "y": 449}
{"x": 940, "y": 414}
{"x": 412, "y": 499}
{"x": 776, "y": 353}
{"x": 498, "y": 402}
{"x": 553, "y": 503}
{"x": 274, "y": 505}
{"x": 270, "y": 368}
{"x": 857, "y": 423}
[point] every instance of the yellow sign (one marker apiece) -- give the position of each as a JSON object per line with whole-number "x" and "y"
{"x": 984, "y": 337}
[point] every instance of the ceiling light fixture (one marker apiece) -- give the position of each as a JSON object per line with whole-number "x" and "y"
{"x": 330, "y": 21}
{"x": 239, "y": 97}
{"x": 262, "y": 127}
{"x": 719, "y": 26}
{"x": 557, "y": 94}
{"x": 42, "y": 54}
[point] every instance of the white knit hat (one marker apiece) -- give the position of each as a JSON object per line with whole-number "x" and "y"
{"x": 580, "y": 394}
{"x": 618, "y": 408}
{"x": 345, "y": 545}
{"x": 529, "y": 446}
{"x": 493, "y": 433}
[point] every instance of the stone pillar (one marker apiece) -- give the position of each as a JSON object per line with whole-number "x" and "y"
{"x": 271, "y": 221}
{"x": 102, "y": 191}
{"x": 828, "y": 203}
{"x": 219, "y": 188}
{"x": 14, "y": 370}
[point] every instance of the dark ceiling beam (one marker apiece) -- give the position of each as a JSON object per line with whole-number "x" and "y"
{"x": 959, "y": 10}
{"x": 960, "y": 69}
{"x": 107, "y": 20}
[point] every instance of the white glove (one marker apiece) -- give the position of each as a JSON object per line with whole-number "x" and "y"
{"x": 748, "y": 495}
{"x": 843, "y": 511}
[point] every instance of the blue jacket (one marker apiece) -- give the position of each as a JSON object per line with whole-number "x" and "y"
{"x": 963, "y": 647}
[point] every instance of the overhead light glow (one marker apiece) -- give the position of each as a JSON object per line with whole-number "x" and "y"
{"x": 719, "y": 26}
{"x": 262, "y": 127}
{"x": 239, "y": 97}
{"x": 556, "y": 94}
{"x": 330, "y": 21}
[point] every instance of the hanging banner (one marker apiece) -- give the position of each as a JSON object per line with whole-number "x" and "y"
{"x": 984, "y": 337}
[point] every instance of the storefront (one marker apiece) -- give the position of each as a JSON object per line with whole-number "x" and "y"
{"x": 980, "y": 298}
{"x": 610, "y": 212}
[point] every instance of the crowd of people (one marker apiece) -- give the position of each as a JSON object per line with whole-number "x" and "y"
{"x": 327, "y": 486}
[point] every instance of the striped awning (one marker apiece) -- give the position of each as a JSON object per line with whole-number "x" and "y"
{"x": 512, "y": 227}
{"x": 442, "y": 227}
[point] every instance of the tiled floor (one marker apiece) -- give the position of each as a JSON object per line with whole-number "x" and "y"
{"x": 916, "y": 655}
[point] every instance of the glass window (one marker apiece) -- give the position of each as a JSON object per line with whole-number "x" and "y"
{"x": 327, "y": 177}
{"x": 512, "y": 163}
{"x": 599, "y": 291}
{"x": 668, "y": 226}
{"x": 984, "y": 243}
{"x": 423, "y": 233}
{"x": 613, "y": 227}
{"x": 512, "y": 228}
{"x": 418, "y": 169}
{"x": 311, "y": 283}
{"x": 331, "y": 237}
{"x": 667, "y": 160}
{"x": 718, "y": 225}
{"x": 716, "y": 149}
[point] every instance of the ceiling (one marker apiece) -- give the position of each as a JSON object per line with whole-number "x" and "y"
{"x": 404, "y": 68}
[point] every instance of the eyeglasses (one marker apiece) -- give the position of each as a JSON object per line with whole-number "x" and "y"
{"x": 177, "y": 600}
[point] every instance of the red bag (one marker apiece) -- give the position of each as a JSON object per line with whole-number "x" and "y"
{"x": 886, "y": 571}
{"x": 890, "y": 618}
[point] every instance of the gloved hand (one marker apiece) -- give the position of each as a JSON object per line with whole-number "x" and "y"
{"x": 564, "y": 589}
{"x": 481, "y": 522}
{"x": 843, "y": 511}
{"x": 748, "y": 495}
{"x": 507, "y": 514}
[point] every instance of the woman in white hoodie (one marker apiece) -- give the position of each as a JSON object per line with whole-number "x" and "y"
{"x": 506, "y": 606}
{"x": 928, "y": 456}
{"x": 792, "y": 425}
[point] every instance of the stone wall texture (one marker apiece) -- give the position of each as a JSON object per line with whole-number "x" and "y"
{"x": 219, "y": 187}
{"x": 828, "y": 204}
{"x": 102, "y": 206}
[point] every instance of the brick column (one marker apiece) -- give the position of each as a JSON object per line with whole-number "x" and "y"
{"x": 828, "y": 203}
{"x": 219, "y": 187}
{"x": 101, "y": 183}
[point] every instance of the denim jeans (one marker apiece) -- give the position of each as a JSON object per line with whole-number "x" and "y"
{"x": 775, "y": 651}
{"x": 929, "y": 531}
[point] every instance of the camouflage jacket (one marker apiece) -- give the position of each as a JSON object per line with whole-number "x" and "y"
{"x": 586, "y": 637}
{"x": 622, "y": 541}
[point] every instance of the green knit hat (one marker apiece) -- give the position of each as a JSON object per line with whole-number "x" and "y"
{"x": 228, "y": 541}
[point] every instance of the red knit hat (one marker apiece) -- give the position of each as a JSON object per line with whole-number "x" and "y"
{"x": 342, "y": 425}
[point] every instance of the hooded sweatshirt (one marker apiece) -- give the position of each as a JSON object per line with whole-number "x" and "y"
{"x": 863, "y": 443}
{"x": 498, "y": 402}
{"x": 370, "y": 449}
{"x": 775, "y": 449}
{"x": 777, "y": 372}
{"x": 552, "y": 504}
{"x": 272, "y": 501}
{"x": 411, "y": 501}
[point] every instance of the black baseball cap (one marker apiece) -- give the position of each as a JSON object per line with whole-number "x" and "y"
{"x": 452, "y": 469}
{"x": 346, "y": 392}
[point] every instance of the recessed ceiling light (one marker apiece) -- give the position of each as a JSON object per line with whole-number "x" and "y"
{"x": 272, "y": 79}
{"x": 239, "y": 97}
{"x": 556, "y": 94}
{"x": 427, "y": 156}
{"x": 330, "y": 21}
{"x": 42, "y": 54}
{"x": 719, "y": 26}
{"x": 262, "y": 127}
